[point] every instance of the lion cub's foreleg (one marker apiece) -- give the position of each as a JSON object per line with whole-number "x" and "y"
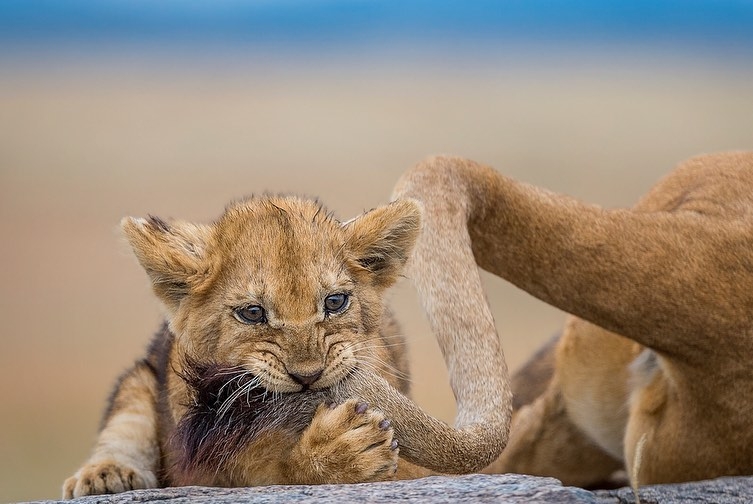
{"x": 346, "y": 443}
{"x": 127, "y": 453}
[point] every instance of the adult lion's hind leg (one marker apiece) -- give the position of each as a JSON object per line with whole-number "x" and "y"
{"x": 545, "y": 440}
{"x": 127, "y": 454}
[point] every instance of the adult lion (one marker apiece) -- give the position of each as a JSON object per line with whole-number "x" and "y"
{"x": 653, "y": 373}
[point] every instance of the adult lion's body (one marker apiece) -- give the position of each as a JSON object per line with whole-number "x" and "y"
{"x": 655, "y": 374}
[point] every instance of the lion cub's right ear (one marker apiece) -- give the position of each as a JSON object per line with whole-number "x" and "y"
{"x": 382, "y": 239}
{"x": 173, "y": 254}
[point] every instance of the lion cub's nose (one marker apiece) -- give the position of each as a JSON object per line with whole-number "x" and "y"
{"x": 306, "y": 379}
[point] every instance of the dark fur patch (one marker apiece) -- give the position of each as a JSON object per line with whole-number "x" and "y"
{"x": 227, "y": 412}
{"x": 532, "y": 380}
{"x": 158, "y": 353}
{"x": 374, "y": 263}
{"x": 112, "y": 400}
{"x": 158, "y": 356}
{"x": 158, "y": 223}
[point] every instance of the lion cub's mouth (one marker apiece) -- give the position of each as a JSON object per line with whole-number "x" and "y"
{"x": 234, "y": 390}
{"x": 229, "y": 408}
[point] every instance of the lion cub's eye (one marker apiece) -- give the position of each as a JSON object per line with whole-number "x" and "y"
{"x": 253, "y": 314}
{"x": 335, "y": 303}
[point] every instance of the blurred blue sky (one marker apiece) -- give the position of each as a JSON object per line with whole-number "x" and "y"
{"x": 694, "y": 25}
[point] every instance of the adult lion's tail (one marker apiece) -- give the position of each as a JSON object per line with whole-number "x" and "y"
{"x": 465, "y": 330}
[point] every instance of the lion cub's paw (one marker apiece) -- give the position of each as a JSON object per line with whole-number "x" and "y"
{"x": 106, "y": 477}
{"x": 346, "y": 443}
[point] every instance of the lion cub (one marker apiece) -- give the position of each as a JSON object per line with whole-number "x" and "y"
{"x": 276, "y": 299}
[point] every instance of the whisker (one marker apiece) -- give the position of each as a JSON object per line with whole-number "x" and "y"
{"x": 388, "y": 345}
{"x": 364, "y": 351}
{"x": 376, "y": 360}
{"x": 237, "y": 379}
{"x": 364, "y": 355}
{"x": 382, "y": 369}
{"x": 364, "y": 347}
{"x": 368, "y": 340}
{"x": 227, "y": 403}
{"x": 230, "y": 370}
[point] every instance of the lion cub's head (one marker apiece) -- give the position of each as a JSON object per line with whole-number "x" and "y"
{"x": 277, "y": 286}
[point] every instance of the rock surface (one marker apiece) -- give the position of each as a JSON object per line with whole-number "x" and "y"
{"x": 512, "y": 488}
{"x": 736, "y": 490}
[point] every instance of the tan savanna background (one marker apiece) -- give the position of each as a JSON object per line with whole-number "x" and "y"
{"x": 89, "y": 135}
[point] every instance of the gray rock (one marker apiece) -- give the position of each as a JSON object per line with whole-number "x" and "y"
{"x": 508, "y": 488}
{"x": 436, "y": 489}
{"x": 738, "y": 490}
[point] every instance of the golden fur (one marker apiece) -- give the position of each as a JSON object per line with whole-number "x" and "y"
{"x": 289, "y": 257}
{"x": 218, "y": 401}
{"x": 261, "y": 374}
{"x": 657, "y": 354}
{"x": 650, "y": 375}
{"x": 653, "y": 360}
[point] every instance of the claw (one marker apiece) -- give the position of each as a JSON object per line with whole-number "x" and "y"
{"x": 361, "y": 408}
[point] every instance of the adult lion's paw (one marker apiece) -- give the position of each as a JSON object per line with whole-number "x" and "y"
{"x": 346, "y": 443}
{"x": 106, "y": 477}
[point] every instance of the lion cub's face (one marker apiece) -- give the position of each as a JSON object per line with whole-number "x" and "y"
{"x": 277, "y": 286}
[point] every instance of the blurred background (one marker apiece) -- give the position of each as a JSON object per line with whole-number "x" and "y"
{"x": 175, "y": 107}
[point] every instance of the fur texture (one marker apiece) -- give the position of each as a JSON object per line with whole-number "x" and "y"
{"x": 275, "y": 343}
{"x": 656, "y": 354}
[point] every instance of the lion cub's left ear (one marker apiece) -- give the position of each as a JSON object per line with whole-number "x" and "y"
{"x": 173, "y": 254}
{"x": 382, "y": 239}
